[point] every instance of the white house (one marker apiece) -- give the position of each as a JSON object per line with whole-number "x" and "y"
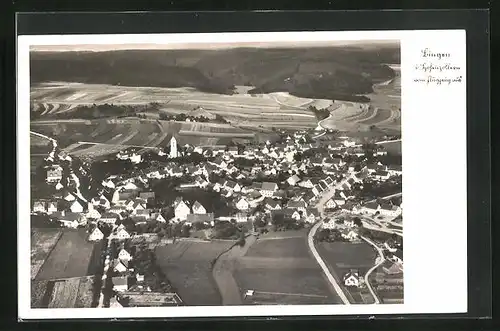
{"x": 120, "y": 266}
{"x": 181, "y": 210}
{"x": 59, "y": 186}
{"x": 268, "y": 189}
{"x": 330, "y": 204}
{"x": 351, "y": 279}
{"x": 54, "y": 174}
{"x": 96, "y": 235}
{"x": 329, "y": 223}
{"x": 198, "y": 208}
{"x": 381, "y": 175}
{"x": 242, "y": 204}
{"x": 122, "y": 234}
{"x": 93, "y": 213}
{"x": 109, "y": 218}
{"x": 350, "y": 235}
{"x": 39, "y": 207}
{"x": 69, "y": 197}
{"x": 123, "y": 255}
{"x": 52, "y": 207}
{"x": 76, "y": 207}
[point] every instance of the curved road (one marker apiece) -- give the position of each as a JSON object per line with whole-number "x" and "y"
{"x": 367, "y": 275}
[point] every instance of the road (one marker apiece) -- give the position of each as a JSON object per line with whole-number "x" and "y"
{"x": 367, "y": 275}
{"x": 223, "y": 273}
{"x": 322, "y": 264}
{"x": 105, "y": 144}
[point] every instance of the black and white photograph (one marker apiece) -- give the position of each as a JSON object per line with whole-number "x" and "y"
{"x": 230, "y": 173}
{"x": 240, "y": 174}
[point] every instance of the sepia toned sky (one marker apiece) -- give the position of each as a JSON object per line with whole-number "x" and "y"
{"x": 214, "y": 46}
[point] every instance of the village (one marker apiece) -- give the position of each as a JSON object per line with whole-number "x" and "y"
{"x": 340, "y": 186}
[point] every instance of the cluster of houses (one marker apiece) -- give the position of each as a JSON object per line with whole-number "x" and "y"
{"x": 127, "y": 197}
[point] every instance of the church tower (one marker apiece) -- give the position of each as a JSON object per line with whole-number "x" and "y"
{"x": 173, "y": 148}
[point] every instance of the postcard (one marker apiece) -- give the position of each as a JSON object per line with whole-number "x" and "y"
{"x": 169, "y": 175}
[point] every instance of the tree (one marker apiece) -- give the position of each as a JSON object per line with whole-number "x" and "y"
{"x": 357, "y": 222}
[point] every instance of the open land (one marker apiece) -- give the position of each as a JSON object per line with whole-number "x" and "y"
{"x": 42, "y": 243}
{"x": 62, "y": 293}
{"x": 282, "y": 271}
{"x": 341, "y": 257}
{"x": 72, "y": 256}
{"x": 188, "y": 267}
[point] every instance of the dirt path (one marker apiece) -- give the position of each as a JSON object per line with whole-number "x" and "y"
{"x": 223, "y": 273}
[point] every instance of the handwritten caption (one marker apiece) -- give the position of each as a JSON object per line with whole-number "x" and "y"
{"x": 436, "y": 69}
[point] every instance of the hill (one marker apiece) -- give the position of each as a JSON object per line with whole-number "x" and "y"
{"x": 330, "y": 73}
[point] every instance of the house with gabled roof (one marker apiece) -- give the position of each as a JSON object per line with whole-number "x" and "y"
{"x": 233, "y": 186}
{"x": 271, "y": 204}
{"x": 207, "y": 218}
{"x": 39, "y": 206}
{"x": 330, "y": 204}
{"x": 93, "y": 213}
{"x": 298, "y": 205}
{"x": 123, "y": 255}
{"x": 351, "y": 278}
{"x": 312, "y": 215}
{"x": 293, "y": 180}
{"x": 71, "y": 220}
{"x": 96, "y": 235}
{"x": 120, "y": 266}
{"x": 54, "y": 174}
{"x": 198, "y": 208}
{"x": 268, "y": 188}
{"x": 109, "y": 218}
{"x": 242, "y": 204}
{"x": 69, "y": 197}
{"x": 307, "y": 183}
{"x": 52, "y": 207}
{"x": 76, "y": 207}
{"x": 291, "y": 214}
{"x": 122, "y": 234}
{"x": 181, "y": 210}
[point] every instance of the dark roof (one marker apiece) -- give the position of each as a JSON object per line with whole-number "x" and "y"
{"x": 67, "y": 216}
{"x": 109, "y": 215}
{"x": 382, "y": 173}
{"x": 296, "y": 204}
{"x": 147, "y": 195}
{"x": 197, "y": 218}
{"x": 122, "y": 280}
{"x": 371, "y": 205}
{"x": 268, "y": 186}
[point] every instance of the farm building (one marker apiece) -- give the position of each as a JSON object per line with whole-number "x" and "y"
{"x": 351, "y": 279}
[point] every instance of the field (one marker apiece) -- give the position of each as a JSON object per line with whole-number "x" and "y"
{"x": 281, "y": 270}
{"x": 266, "y": 109}
{"x": 72, "y": 256}
{"x": 389, "y": 287}
{"x": 62, "y": 293}
{"x": 341, "y": 257}
{"x": 42, "y": 243}
{"x": 383, "y": 110}
{"x": 188, "y": 267}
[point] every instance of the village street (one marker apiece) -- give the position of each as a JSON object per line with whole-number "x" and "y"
{"x": 322, "y": 264}
{"x": 368, "y": 273}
